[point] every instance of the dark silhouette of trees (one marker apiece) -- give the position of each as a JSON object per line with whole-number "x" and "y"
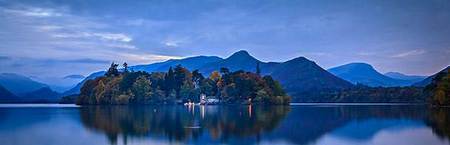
{"x": 439, "y": 89}
{"x": 125, "y": 67}
{"x": 180, "y": 84}
{"x": 112, "y": 71}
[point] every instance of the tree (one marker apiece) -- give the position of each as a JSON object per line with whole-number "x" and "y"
{"x": 440, "y": 89}
{"x": 180, "y": 84}
{"x": 112, "y": 71}
{"x": 215, "y": 76}
{"x": 224, "y": 70}
{"x": 141, "y": 89}
{"x": 182, "y": 76}
{"x": 125, "y": 67}
{"x": 169, "y": 81}
{"x": 197, "y": 78}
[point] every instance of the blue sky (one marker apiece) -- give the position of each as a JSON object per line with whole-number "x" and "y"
{"x": 55, "y": 38}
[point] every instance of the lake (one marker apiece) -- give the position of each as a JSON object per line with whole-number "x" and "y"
{"x": 312, "y": 124}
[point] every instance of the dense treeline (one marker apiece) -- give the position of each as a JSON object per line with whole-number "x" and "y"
{"x": 180, "y": 85}
{"x": 365, "y": 94}
{"x": 439, "y": 89}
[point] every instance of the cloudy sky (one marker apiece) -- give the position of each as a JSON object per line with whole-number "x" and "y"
{"x": 55, "y": 38}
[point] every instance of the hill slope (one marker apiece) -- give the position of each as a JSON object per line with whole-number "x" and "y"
{"x": 41, "y": 95}
{"x": 191, "y": 63}
{"x": 301, "y": 76}
{"x": 429, "y": 79}
{"x": 411, "y": 78}
{"x": 6, "y": 96}
{"x": 297, "y": 76}
{"x": 19, "y": 84}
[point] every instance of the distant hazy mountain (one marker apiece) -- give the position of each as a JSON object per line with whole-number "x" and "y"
{"x": 76, "y": 89}
{"x": 365, "y": 74}
{"x": 59, "y": 83}
{"x": 74, "y": 77}
{"x": 297, "y": 75}
{"x": 190, "y": 63}
{"x": 301, "y": 75}
{"x": 6, "y": 96}
{"x": 400, "y": 76}
{"x": 41, "y": 95}
{"x": 19, "y": 84}
{"x": 428, "y": 80}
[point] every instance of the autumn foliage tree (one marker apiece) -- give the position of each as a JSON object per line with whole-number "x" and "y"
{"x": 180, "y": 84}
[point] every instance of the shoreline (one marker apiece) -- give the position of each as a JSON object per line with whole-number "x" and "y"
{"x": 8, "y": 105}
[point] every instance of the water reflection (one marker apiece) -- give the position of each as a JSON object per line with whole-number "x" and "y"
{"x": 302, "y": 125}
{"x": 180, "y": 123}
{"x": 439, "y": 120}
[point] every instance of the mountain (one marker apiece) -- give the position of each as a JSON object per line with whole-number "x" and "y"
{"x": 41, "y": 95}
{"x": 76, "y": 89}
{"x": 300, "y": 75}
{"x": 18, "y": 84}
{"x": 365, "y": 74}
{"x": 59, "y": 83}
{"x": 6, "y": 96}
{"x": 240, "y": 60}
{"x": 190, "y": 63}
{"x": 429, "y": 79}
{"x": 400, "y": 76}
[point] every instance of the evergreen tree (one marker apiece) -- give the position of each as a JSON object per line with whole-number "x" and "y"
{"x": 125, "y": 67}
{"x": 224, "y": 70}
{"x": 169, "y": 81}
{"x": 112, "y": 71}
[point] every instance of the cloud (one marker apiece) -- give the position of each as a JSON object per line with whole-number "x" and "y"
{"x": 123, "y": 46}
{"x": 145, "y": 58}
{"x": 86, "y": 60}
{"x": 409, "y": 53}
{"x": 33, "y": 12}
{"x": 103, "y": 36}
{"x": 365, "y": 53}
{"x": 176, "y": 41}
{"x": 55, "y": 41}
{"x": 74, "y": 77}
{"x": 113, "y": 36}
{"x": 171, "y": 44}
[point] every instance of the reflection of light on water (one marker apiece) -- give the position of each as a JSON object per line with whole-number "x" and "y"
{"x": 191, "y": 108}
{"x": 192, "y": 127}
{"x": 249, "y": 108}
{"x": 202, "y": 111}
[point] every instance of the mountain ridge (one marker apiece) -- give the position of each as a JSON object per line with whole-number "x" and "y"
{"x": 429, "y": 79}
{"x": 366, "y": 74}
{"x": 306, "y": 72}
{"x": 19, "y": 84}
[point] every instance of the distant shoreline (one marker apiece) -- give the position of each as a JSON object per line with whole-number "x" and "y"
{"x": 4, "y": 105}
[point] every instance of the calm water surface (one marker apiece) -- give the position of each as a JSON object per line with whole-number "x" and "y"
{"x": 312, "y": 124}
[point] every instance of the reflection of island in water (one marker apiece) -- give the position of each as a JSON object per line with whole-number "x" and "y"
{"x": 180, "y": 123}
{"x": 244, "y": 125}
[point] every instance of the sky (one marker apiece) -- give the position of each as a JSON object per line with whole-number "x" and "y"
{"x": 56, "y": 38}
